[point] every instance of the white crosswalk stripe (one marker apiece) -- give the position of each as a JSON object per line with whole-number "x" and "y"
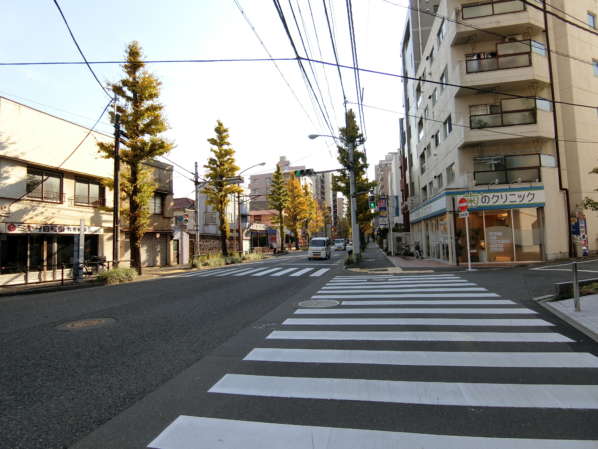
{"x": 258, "y": 271}
{"x": 488, "y": 337}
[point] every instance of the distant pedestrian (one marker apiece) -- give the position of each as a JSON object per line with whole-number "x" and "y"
{"x": 418, "y": 251}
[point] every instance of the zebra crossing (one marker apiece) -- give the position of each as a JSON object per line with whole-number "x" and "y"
{"x": 263, "y": 271}
{"x": 439, "y": 363}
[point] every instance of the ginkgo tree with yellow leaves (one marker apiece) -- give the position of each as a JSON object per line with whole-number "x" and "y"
{"x": 296, "y": 209}
{"x": 142, "y": 120}
{"x": 314, "y": 217}
{"x": 220, "y": 168}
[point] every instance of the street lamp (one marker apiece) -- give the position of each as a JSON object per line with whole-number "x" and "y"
{"x": 352, "y": 199}
{"x": 239, "y": 230}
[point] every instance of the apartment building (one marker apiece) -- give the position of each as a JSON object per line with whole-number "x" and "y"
{"x": 51, "y": 178}
{"x": 481, "y": 123}
{"x": 389, "y": 220}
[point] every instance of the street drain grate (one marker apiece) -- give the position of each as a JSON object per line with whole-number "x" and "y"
{"x": 89, "y": 323}
{"x": 319, "y": 303}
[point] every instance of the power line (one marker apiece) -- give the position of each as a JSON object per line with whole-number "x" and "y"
{"x": 69, "y": 155}
{"x": 299, "y": 61}
{"x": 181, "y": 167}
{"x": 576, "y": 25}
{"x": 332, "y": 40}
{"x": 353, "y": 43}
{"x": 79, "y": 48}
{"x": 273, "y": 60}
{"x": 151, "y": 61}
{"x": 460, "y": 125}
{"x": 305, "y": 49}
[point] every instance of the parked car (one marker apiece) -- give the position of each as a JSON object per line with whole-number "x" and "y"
{"x": 340, "y": 244}
{"x": 319, "y": 248}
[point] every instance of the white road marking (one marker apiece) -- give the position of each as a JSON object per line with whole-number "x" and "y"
{"x": 415, "y": 322}
{"x": 423, "y": 302}
{"x": 320, "y": 272}
{"x": 406, "y": 290}
{"x": 427, "y": 358}
{"x": 517, "y": 337}
{"x": 407, "y": 295}
{"x": 396, "y": 310}
{"x": 268, "y": 271}
{"x": 393, "y": 283}
{"x": 253, "y": 270}
{"x": 406, "y": 392}
{"x": 300, "y": 272}
{"x": 188, "y": 432}
{"x": 227, "y": 272}
{"x": 280, "y": 273}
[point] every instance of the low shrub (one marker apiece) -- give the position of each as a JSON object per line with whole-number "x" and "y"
{"x": 215, "y": 261}
{"x": 589, "y": 289}
{"x": 235, "y": 258}
{"x": 117, "y": 275}
{"x": 253, "y": 256}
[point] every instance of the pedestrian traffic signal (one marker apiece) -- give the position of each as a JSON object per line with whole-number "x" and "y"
{"x": 304, "y": 172}
{"x": 372, "y": 202}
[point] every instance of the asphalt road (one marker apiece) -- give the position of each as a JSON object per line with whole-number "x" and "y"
{"x": 59, "y": 385}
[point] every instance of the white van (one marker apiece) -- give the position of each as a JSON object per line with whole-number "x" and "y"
{"x": 319, "y": 248}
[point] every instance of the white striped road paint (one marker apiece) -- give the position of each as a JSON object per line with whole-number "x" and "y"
{"x": 408, "y": 392}
{"x": 265, "y": 272}
{"x": 425, "y": 302}
{"x": 393, "y": 278}
{"x": 427, "y": 358}
{"x": 252, "y": 270}
{"x": 514, "y": 337}
{"x": 393, "y": 284}
{"x": 406, "y": 295}
{"x": 405, "y": 311}
{"x": 300, "y": 272}
{"x": 407, "y": 290}
{"x": 415, "y": 322}
{"x": 280, "y": 273}
{"x": 320, "y": 272}
{"x": 189, "y": 432}
{"x": 227, "y": 272}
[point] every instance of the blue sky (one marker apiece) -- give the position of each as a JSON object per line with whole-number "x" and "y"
{"x": 264, "y": 118}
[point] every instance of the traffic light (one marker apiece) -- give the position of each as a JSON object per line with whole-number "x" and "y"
{"x": 372, "y": 202}
{"x": 304, "y": 172}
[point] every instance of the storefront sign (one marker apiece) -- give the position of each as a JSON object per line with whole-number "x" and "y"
{"x": 23, "y": 228}
{"x": 436, "y": 207}
{"x": 492, "y": 200}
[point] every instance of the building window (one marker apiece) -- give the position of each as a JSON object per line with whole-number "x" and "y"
{"x": 422, "y": 163}
{"x": 512, "y": 111}
{"x": 439, "y": 182}
{"x": 447, "y": 127}
{"x": 88, "y": 192}
{"x": 592, "y": 20}
{"x": 44, "y": 185}
{"x": 424, "y": 193}
{"x": 426, "y": 112}
{"x": 436, "y": 139}
{"x": 443, "y": 79}
{"x": 507, "y": 169}
{"x": 428, "y": 151}
{"x": 157, "y": 204}
{"x": 595, "y": 65}
{"x": 418, "y": 94}
{"x": 440, "y": 34}
{"x": 450, "y": 174}
{"x": 431, "y": 57}
{"x": 420, "y": 129}
{"x": 491, "y": 8}
{"x": 434, "y": 97}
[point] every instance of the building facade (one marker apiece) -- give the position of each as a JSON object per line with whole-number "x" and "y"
{"x": 52, "y": 179}
{"x": 481, "y": 124}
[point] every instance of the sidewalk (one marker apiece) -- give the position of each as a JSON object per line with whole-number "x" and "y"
{"x": 412, "y": 262}
{"x": 585, "y": 321}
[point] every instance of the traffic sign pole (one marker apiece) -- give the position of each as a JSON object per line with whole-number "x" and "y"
{"x": 464, "y": 213}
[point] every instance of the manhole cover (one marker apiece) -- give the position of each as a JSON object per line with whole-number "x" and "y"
{"x": 85, "y": 324}
{"x": 318, "y": 303}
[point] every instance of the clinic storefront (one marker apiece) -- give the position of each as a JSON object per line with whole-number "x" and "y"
{"x": 505, "y": 226}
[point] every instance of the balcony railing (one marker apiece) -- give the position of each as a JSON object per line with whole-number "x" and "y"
{"x": 485, "y": 9}
{"x": 499, "y": 62}
{"x": 510, "y": 112}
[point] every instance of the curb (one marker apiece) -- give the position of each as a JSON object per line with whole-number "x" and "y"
{"x": 51, "y": 289}
{"x": 577, "y": 325}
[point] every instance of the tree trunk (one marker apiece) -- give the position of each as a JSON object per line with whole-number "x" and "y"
{"x": 280, "y": 217}
{"x": 296, "y": 239}
{"x": 222, "y": 227}
{"x": 134, "y": 209}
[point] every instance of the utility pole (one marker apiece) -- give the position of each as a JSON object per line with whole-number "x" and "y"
{"x": 197, "y": 213}
{"x": 239, "y": 223}
{"x": 116, "y": 200}
{"x": 353, "y": 199}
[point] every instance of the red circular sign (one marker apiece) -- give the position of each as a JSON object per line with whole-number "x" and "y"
{"x": 11, "y": 227}
{"x": 463, "y": 204}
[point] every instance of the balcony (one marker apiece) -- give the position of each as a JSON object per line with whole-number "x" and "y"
{"x": 511, "y": 169}
{"x": 511, "y": 119}
{"x": 508, "y": 66}
{"x": 482, "y": 21}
